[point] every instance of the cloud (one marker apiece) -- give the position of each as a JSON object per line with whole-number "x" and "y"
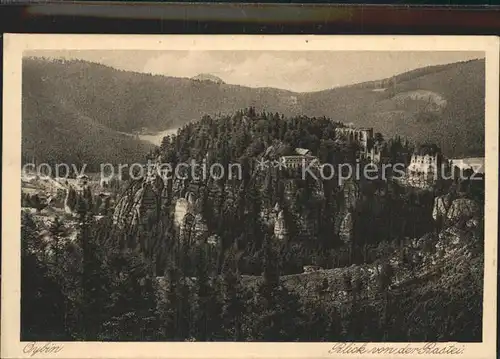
{"x": 255, "y": 70}
{"x": 186, "y": 65}
{"x": 300, "y": 71}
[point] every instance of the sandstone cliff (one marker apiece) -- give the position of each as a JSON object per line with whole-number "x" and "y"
{"x": 458, "y": 210}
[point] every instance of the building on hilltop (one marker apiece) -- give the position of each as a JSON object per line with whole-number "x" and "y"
{"x": 364, "y": 137}
{"x": 301, "y": 157}
{"x": 303, "y": 152}
{"x": 426, "y": 164}
{"x": 425, "y": 160}
{"x": 425, "y": 167}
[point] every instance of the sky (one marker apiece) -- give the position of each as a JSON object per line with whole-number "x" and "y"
{"x": 298, "y": 71}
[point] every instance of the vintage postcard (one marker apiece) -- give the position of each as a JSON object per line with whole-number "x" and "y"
{"x": 249, "y": 196}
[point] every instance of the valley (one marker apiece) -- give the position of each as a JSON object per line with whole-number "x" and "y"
{"x": 274, "y": 253}
{"x": 440, "y": 104}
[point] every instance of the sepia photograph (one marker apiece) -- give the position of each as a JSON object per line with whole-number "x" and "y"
{"x": 250, "y": 189}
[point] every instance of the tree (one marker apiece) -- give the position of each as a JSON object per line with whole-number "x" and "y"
{"x": 39, "y": 289}
{"x": 378, "y": 138}
{"x": 132, "y": 313}
{"x": 71, "y": 199}
{"x": 38, "y": 203}
{"x": 234, "y": 298}
{"x": 176, "y": 304}
{"x": 280, "y": 315}
{"x": 207, "y": 321}
{"x": 95, "y": 279}
{"x": 57, "y": 232}
{"x": 384, "y": 281}
{"x": 169, "y": 305}
{"x": 88, "y": 198}
{"x": 81, "y": 207}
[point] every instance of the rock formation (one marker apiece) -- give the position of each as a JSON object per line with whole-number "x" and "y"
{"x": 351, "y": 193}
{"x": 346, "y": 231}
{"x": 463, "y": 209}
{"x": 269, "y": 215}
{"x": 454, "y": 211}
{"x": 441, "y": 206}
{"x": 188, "y": 220}
{"x": 142, "y": 199}
{"x": 180, "y": 211}
{"x": 280, "y": 230}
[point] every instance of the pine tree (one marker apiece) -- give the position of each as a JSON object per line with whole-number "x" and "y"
{"x": 57, "y": 233}
{"x": 234, "y": 298}
{"x": 208, "y": 309}
{"x": 39, "y": 289}
{"x": 170, "y": 303}
{"x": 88, "y": 198}
{"x": 384, "y": 282}
{"x": 279, "y": 315}
{"x": 71, "y": 199}
{"x": 132, "y": 311}
{"x": 81, "y": 207}
{"x": 95, "y": 278}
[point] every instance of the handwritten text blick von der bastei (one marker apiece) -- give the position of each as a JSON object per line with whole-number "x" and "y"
{"x": 404, "y": 349}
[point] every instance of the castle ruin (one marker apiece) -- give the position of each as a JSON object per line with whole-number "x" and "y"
{"x": 424, "y": 169}
{"x": 364, "y": 138}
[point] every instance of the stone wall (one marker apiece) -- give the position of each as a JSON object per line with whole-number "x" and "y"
{"x": 359, "y": 135}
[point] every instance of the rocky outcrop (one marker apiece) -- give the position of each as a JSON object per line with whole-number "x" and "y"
{"x": 463, "y": 209}
{"x": 350, "y": 200}
{"x": 431, "y": 256}
{"x": 146, "y": 199}
{"x": 270, "y": 215}
{"x": 214, "y": 240}
{"x": 188, "y": 220}
{"x": 453, "y": 211}
{"x": 418, "y": 180}
{"x": 208, "y": 78}
{"x": 441, "y": 206}
{"x": 346, "y": 232}
{"x": 200, "y": 228}
{"x": 141, "y": 200}
{"x": 128, "y": 208}
{"x": 351, "y": 193}
{"x": 280, "y": 230}
{"x": 180, "y": 211}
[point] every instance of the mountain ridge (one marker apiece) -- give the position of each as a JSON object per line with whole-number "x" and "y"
{"x": 407, "y": 104}
{"x": 208, "y": 77}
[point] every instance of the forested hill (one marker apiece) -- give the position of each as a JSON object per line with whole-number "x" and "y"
{"x": 441, "y": 104}
{"x": 61, "y": 125}
{"x": 129, "y": 101}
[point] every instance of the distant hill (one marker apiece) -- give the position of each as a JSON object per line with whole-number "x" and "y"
{"x": 57, "y": 129}
{"x": 130, "y": 101}
{"x": 65, "y": 101}
{"x": 208, "y": 77}
{"x": 440, "y": 104}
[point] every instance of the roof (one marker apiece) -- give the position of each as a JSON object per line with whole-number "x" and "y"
{"x": 298, "y": 157}
{"x": 302, "y": 151}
